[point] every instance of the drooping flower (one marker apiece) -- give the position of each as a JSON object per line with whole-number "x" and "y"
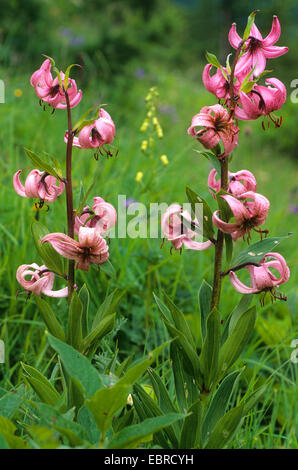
{"x": 49, "y": 90}
{"x": 38, "y": 184}
{"x": 262, "y": 101}
{"x": 91, "y": 247}
{"x": 218, "y": 83}
{"x": 40, "y": 281}
{"x": 216, "y": 126}
{"x": 250, "y": 213}
{"x": 239, "y": 182}
{"x": 257, "y": 49}
{"x": 102, "y": 217}
{"x": 101, "y": 132}
{"x": 262, "y": 278}
{"x": 177, "y": 232}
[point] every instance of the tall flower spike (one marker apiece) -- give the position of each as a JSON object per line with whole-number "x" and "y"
{"x": 262, "y": 278}
{"x": 91, "y": 247}
{"x": 38, "y": 184}
{"x": 239, "y": 182}
{"x": 101, "y": 132}
{"x": 49, "y": 90}
{"x": 102, "y": 217}
{"x": 177, "y": 233}
{"x": 216, "y": 126}
{"x": 40, "y": 281}
{"x": 257, "y": 49}
{"x": 262, "y": 101}
{"x": 247, "y": 214}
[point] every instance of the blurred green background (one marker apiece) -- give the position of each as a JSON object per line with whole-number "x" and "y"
{"x": 125, "y": 47}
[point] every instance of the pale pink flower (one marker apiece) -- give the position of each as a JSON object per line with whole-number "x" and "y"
{"x": 40, "y": 280}
{"x": 177, "y": 233}
{"x": 217, "y": 83}
{"x": 248, "y": 214}
{"x": 216, "y": 125}
{"x": 262, "y": 101}
{"x": 38, "y": 184}
{"x": 91, "y": 247}
{"x": 49, "y": 90}
{"x": 262, "y": 278}
{"x": 101, "y": 132}
{"x": 257, "y": 49}
{"x": 239, "y": 182}
{"x": 102, "y": 217}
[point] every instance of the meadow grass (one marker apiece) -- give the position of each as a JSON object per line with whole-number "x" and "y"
{"x": 141, "y": 266}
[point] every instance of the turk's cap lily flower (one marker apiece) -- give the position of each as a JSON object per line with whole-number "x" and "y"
{"x": 101, "y": 132}
{"x": 257, "y": 49}
{"x": 218, "y": 85}
{"x": 216, "y": 125}
{"x": 38, "y": 184}
{"x": 177, "y": 233}
{"x": 40, "y": 280}
{"x": 91, "y": 248}
{"x": 262, "y": 278}
{"x": 262, "y": 100}
{"x": 102, "y": 217}
{"x": 49, "y": 90}
{"x": 248, "y": 214}
{"x": 239, "y": 182}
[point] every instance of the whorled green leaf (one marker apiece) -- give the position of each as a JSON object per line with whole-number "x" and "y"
{"x": 191, "y": 429}
{"x": 212, "y": 158}
{"x": 50, "y": 319}
{"x": 41, "y": 385}
{"x": 205, "y": 295}
{"x": 210, "y": 349}
{"x": 39, "y": 164}
{"x": 50, "y": 257}
{"x": 194, "y": 199}
{"x": 231, "y": 319}
{"x": 84, "y": 298}
{"x": 225, "y": 429}
{"x": 74, "y": 333}
{"x": 108, "y": 307}
{"x": 105, "y": 326}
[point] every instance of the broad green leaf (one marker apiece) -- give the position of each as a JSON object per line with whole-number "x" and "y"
{"x": 74, "y": 333}
{"x": 210, "y": 349}
{"x": 213, "y": 60}
{"x": 108, "y": 269}
{"x": 77, "y": 366}
{"x": 48, "y": 316}
{"x": 41, "y": 385}
{"x": 50, "y": 257}
{"x": 7, "y": 432}
{"x": 10, "y": 402}
{"x": 253, "y": 399}
{"x": 231, "y": 320}
{"x": 250, "y": 22}
{"x": 179, "y": 319}
{"x": 225, "y": 429}
{"x": 225, "y": 210}
{"x": 108, "y": 306}
{"x": 191, "y": 429}
{"x": 205, "y": 295}
{"x": 85, "y": 418}
{"x": 237, "y": 340}
{"x": 131, "y": 436}
{"x": 229, "y": 249}
{"x": 254, "y": 253}
{"x": 186, "y": 390}
{"x": 84, "y": 298}
{"x": 102, "y": 329}
{"x": 194, "y": 199}
{"x": 212, "y": 158}
{"x": 39, "y": 164}
{"x": 219, "y": 403}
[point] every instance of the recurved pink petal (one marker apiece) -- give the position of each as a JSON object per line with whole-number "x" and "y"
{"x": 274, "y": 34}
{"x": 19, "y": 188}
{"x": 234, "y": 37}
{"x": 270, "y": 52}
{"x": 239, "y": 286}
{"x": 224, "y": 226}
{"x": 193, "y": 245}
{"x": 63, "y": 244}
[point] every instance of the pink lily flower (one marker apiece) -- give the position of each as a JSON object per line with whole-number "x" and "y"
{"x": 38, "y": 184}
{"x": 49, "y": 90}
{"x": 262, "y": 101}
{"x": 40, "y": 281}
{"x": 217, "y": 125}
{"x": 217, "y": 83}
{"x": 239, "y": 182}
{"x": 177, "y": 233}
{"x": 91, "y": 247}
{"x": 101, "y": 132}
{"x": 247, "y": 214}
{"x": 257, "y": 49}
{"x": 102, "y": 217}
{"x": 262, "y": 278}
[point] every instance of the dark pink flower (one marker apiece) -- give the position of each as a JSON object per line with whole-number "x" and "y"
{"x": 257, "y": 49}
{"x": 101, "y": 132}
{"x": 49, "y": 90}
{"x": 248, "y": 214}
{"x": 262, "y": 101}
{"x": 38, "y": 184}
{"x": 219, "y": 85}
{"x": 262, "y": 278}
{"x": 40, "y": 280}
{"x": 239, "y": 182}
{"x": 102, "y": 217}
{"x": 177, "y": 233}
{"x": 91, "y": 247}
{"x": 216, "y": 125}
